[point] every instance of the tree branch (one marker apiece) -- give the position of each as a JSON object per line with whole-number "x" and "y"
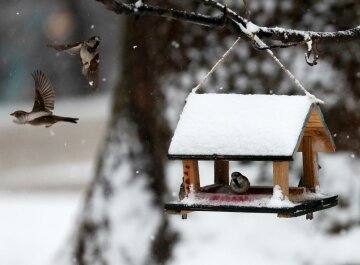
{"x": 151, "y": 10}
{"x": 275, "y": 46}
{"x": 239, "y": 25}
{"x": 288, "y": 35}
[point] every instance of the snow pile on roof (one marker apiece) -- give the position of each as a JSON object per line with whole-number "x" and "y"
{"x": 240, "y": 125}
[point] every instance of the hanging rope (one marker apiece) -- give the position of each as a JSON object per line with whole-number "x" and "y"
{"x": 261, "y": 44}
{"x": 287, "y": 71}
{"x": 195, "y": 89}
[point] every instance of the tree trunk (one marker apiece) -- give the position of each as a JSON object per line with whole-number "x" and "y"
{"x": 123, "y": 221}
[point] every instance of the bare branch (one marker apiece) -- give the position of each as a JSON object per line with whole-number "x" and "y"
{"x": 286, "y": 35}
{"x": 239, "y": 25}
{"x": 275, "y": 46}
{"x": 151, "y": 10}
{"x": 275, "y": 33}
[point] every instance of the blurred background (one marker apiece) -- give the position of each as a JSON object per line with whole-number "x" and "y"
{"x": 44, "y": 173}
{"x": 65, "y": 191}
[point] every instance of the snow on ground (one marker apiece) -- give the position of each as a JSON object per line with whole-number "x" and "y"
{"x": 42, "y": 175}
{"x": 33, "y": 226}
{"x": 241, "y": 238}
{"x": 232, "y": 238}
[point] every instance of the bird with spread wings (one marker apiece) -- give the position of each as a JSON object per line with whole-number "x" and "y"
{"x": 41, "y": 113}
{"x": 89, "y": 57}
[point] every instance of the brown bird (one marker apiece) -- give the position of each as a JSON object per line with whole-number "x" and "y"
{"x": 41, "y": 114}
{"x": 89, "y": 57}
{"x": 239, "y": 183}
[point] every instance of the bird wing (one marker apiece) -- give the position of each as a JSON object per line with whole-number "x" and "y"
{"x": 44, "y": 93}
{"x": 93, "y": 71}
{"x": 69, "y": 48}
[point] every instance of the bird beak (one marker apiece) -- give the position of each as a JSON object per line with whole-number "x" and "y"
{"x": 12, "y": 114}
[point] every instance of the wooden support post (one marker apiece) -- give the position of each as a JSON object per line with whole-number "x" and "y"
{"x": 281, "y": 176}
{"x": 221, "y": 172}
{"x": 310, "y": 165}
{"x": 191, "y": 175}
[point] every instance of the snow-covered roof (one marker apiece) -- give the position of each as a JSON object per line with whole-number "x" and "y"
{"x": 233, "y": 126}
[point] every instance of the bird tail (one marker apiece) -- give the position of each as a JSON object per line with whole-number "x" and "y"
{"x": 56, "y": 47}
{"x": 66, "y": 119}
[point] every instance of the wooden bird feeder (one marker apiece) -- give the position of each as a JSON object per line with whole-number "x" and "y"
{"x": 233, "y": 127}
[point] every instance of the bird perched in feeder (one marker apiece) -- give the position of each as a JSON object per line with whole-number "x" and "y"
{"x": 89, "y": 57}
{"x": 182, "y": 191}
{"x": 239, "y": 183}
{"x": 41, "y": 114}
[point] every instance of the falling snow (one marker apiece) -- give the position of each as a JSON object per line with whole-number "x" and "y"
{"x": 139, "y": 4}
{"x": 175, "y": 44}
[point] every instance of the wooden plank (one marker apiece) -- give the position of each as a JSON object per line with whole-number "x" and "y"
{"x": 314, "y": 116}
{"x": 231, "y": 157}
{"x": 313, "y": 131}
{"x": 256, "y": 190}
{"x": 221, "y": 172}
{"x": 319, "y": 144}
{"x": 269, "y": 190}
{"x": 317, "y": 129}
{"x": 191, "y": 175}
{"x": 315, "y": 124}
{"x": 281, "y": 176}
{"x": 302, "y": 208}
{"x": 310, "y": 165}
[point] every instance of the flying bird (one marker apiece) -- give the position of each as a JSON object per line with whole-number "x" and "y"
{"x": 89, "y": 57}
{"x": 239, "y": 183}
{"x": 41, "y": 113}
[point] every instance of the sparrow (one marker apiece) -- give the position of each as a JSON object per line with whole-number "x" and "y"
{"x": 239, "y": 183}
{"x": 41, "y": 113}
{"x": 182, "y": 195}
{"x": 89, "y": 57}
{"x": 182, "y": 191}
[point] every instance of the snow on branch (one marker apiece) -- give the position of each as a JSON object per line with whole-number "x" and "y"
{"x": 239, "y": 25}
{"x": 137, "y": 10}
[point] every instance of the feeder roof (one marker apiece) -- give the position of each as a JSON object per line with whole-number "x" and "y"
{"x": 242, "y": 127}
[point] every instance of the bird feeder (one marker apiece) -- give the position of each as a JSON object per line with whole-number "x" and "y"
{"x": 233, "y": 127}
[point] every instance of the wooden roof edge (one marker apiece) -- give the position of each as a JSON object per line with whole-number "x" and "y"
{"x": 301, "y": 135}
{"x": 231, "y": 157}
{"x": 327, "y": 131}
